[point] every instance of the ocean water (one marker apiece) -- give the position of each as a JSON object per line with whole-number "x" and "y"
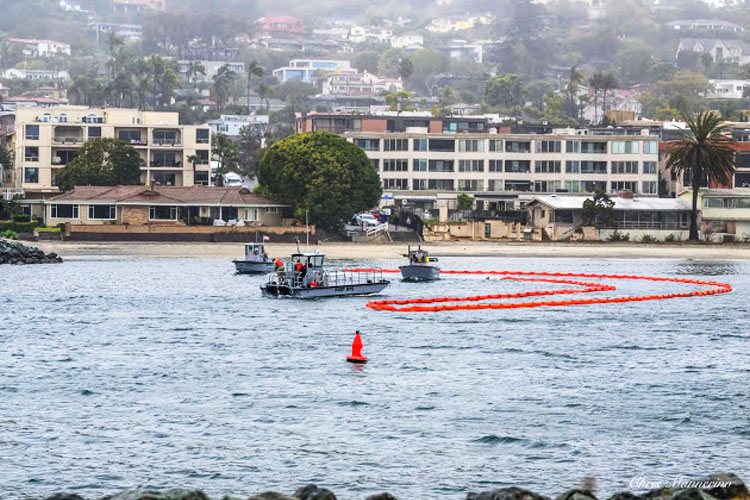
{"x": 119, "y": 373}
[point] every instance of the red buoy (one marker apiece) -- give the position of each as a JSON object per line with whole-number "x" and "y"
{"x": 356, "y": 356}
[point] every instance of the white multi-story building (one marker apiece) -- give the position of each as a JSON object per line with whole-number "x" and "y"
{"x": 304, "y": 69}
{"x": 232, "y": 125}
{"x": 359, "y": 84}
{"x": 35, "y": 74}
{"x": 728, "y": 89}
{"x": 360, "y": 34}
{"x": 41, "y": 48}
{"x": 407, "y": 40}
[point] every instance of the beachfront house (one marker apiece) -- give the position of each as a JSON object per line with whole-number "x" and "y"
{"x": 162, "y": 205}
{"x": 561, "y": 217}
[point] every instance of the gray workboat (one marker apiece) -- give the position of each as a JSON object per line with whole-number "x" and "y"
{"x": 303, "y": 277}
{"x": 419, "y": 267}
{"x": 256, "y": 260}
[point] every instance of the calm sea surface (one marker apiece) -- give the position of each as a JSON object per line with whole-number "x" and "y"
{"x": 161, "y": 372}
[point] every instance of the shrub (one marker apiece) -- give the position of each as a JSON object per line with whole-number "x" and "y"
{"x": 48, "y": 230}
{"x": 19, "y": 227}
{"x": 618, "y": 236}
{"x": 8, "y": 234}
{"x": 669, "y": 238}
{"x": 647, "y": 238}
{"x": 20, "y": 218}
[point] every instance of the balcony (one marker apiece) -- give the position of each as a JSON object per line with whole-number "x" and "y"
{"x": 166, "y": 164}
{"x": 68, "y": 135}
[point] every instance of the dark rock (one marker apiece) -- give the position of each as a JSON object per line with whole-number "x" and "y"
{"x": 512, "y": 493}
{"x": 271, "y": 495}
{"x": 735, "y": 489}
{"x": 690, "y": 494}
{"x": 381, "y": 496}
{"x": 65, "y": 496}
{"x": 312, "y": 492}
{"x": 576, "y": 495}
{"x": 52, "y": 255}
{"x": 159, "y": 495}
{"x": 624, "y": 495}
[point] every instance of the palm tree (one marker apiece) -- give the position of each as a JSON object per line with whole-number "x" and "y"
{"x": 253, "y": 69}
{"x": 595, "y": 82}
{"x": 609, "y": 82}
{"x": 194, "y": 69}
{"x": 575, "y": 79}
{"x": 705, "y": 155}
{"x": 222, "y": 84}
{"x": 193, "y": 159}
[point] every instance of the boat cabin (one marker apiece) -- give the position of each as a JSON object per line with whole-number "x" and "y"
{"x": 311, "y": 261}
{"x": 306, "y": 268}
{"x": 255, "y": 252}
{"x": 419, "y": 257}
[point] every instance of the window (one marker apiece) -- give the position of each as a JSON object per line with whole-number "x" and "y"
{"x": 624, "y": 147}
{"x": 572, "y": 167}
{"x": 31, "y": 153}
{"x": 164, "y": 179}
{"x": 624, "y": 167}
{"x": 547, "y": 167}
{"x": 202, "y": 155}
{"x": 471, "y": 165}
{"x": 517, "y": 147}
{"x": 518, "y": 166}
{"x": 272, "y": 210}
{"x": 130, "y": 136}
{"x": 572, "y": 146}
{"x": 165, "y": 136}
{"x": 496, "y": 166}
{"x": 95, "y": 132}
{"x": 714, "y": 203}
{"x": 102, "y": 212}
{"x": 546, "y": 186}
{"x": 63, "y": 156}
{"x": 451, "y": 127}
{"x": 375, "y": 163}
{"x": 594, "y": 147}
{"x": 518, "y": 185}
{"x": 649, "y": 187}
{"x": 548, "y": 146}
{"x": 420, "y": 145}
{"x": 442, "y": 145}
{"x": 201, "y": 135}
{"x": 390, "y": 165}
{"x": 470, "y": 146}
{"x": 743, "y": 160}
{"x": 593, "y": 167}
{"x": 396, "y": 145}
{"x": 650, "y": 147}
{"x": 618, "y": 186}
{"x": 162, "y": 213}
{"x": 401, "y": 184}
{"x": 496, "y": 145}
{"x": 591, "y": 186}
{"x": 31, "y": 175}
{"x": 53, "y": 176}
{"x": 165, "y": 159}
{"x": 93, "y": 119}
{"x": 572, "y": 186}
{"x": 419, "y": 165}
{"x": 419, "y": 184}
{"x": 440, "y": 166}
{"x": 201, "y": 178}
{"x": 470, "y": 185}
{"x": 32, "y": 132}
{"x": 251, "y": 214}
{"x": 368, "y": 144}
{"x": 442, "y": 184}
{"x": 64, "y": 211}
{"x": 495, "y": 185}
{"x": 649, "y": 167}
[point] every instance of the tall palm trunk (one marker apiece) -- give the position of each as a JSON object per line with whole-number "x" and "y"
{"x": 697, "y": 174}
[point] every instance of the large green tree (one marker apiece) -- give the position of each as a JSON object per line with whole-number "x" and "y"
{"x": 102, "y": 162}
{"x": 226, "y": 153}
{"x": 705, "y": 155}
{"x": 505, "y": 90}
{"x": 322, "y": 173}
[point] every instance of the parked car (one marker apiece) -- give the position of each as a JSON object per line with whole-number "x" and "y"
{"x": 367, "y": 219}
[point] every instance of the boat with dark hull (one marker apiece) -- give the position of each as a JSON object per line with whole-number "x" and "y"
{"x": 256, "y": 260}
{"x": 303, "y": 277}
{"x": 419, "y": 267}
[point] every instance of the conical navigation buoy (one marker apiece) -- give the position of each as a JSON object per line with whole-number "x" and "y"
{"x": 356, "y": 356}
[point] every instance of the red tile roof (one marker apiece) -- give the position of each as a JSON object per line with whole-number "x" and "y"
{"x": 165, "y": 195}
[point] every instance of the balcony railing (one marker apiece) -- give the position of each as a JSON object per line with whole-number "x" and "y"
{"x": 176, "y": 164}
{"x": 166, "y": 142}
{"x": 644, "y": 225}
{"x": 67, "y": 140}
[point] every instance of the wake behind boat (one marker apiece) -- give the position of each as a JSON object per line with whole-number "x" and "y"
{"x": 304, "y": 277}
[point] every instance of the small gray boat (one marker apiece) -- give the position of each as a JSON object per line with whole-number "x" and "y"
{"x": 419, "y": 268}
{"x": 256, "y": 260}
{"x": 303, "y": 277}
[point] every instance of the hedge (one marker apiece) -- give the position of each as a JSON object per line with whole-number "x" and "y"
{"x": 19, "y": 227}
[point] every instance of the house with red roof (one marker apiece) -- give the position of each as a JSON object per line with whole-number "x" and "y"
{"x": 279, "y": 26}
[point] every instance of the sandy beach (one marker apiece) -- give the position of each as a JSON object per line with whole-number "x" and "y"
{"x": 700, "y": 251}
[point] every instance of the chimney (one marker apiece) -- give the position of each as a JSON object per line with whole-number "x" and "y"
{"x": 628, "y": 195}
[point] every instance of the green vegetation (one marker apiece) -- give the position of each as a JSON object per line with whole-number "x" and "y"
{"x": 48, "y": 229}
{"x": 465, "y": 202}
{"x": 670, "y": 238}
{"x": 618, "y": 236}
{"x": 706, "y": 156}
{"x": 600, "y": 209}
{"x": 9, "y": 235}
{"x": 322, "y": 173}
{"x": 102, "y": 162}
{"x": 226, "y": 153}
{"x": 647, "y": 238}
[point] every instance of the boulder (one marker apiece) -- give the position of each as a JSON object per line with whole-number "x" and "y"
{"x": 312, "y": 492}
{"x": 512, "y": 493}
{"x": 381, "y": 496}
{"x": 271, "y": 495}
{"x": 65, "y": 496}
{"x": 177, "y": 494}
{"x": 736, "y": 489}
{"x": 576, "y": 495}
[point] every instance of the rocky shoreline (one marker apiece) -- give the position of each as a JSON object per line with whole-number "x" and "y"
{"x": 714, "y": 487}
{"x": 12, "y": 252}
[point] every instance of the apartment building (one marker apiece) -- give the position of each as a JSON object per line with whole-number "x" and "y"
{"x": 427, "y": 161}
{"x": 41, "y": 48}
{"x": 304, "y": 69}
{"x": 47, "y": 139}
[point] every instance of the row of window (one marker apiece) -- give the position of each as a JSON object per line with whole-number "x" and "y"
{"x": 517, "y": 166}
{"x": 499, "y": 145}
{"x": 158, "y": 158}
{"x": 160, "y": 136}
{"x": 582, "y": 186}
{"x": 31, "y": 176}
{"x": 726, "y": 203}
{"x": 156, "y": 212}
